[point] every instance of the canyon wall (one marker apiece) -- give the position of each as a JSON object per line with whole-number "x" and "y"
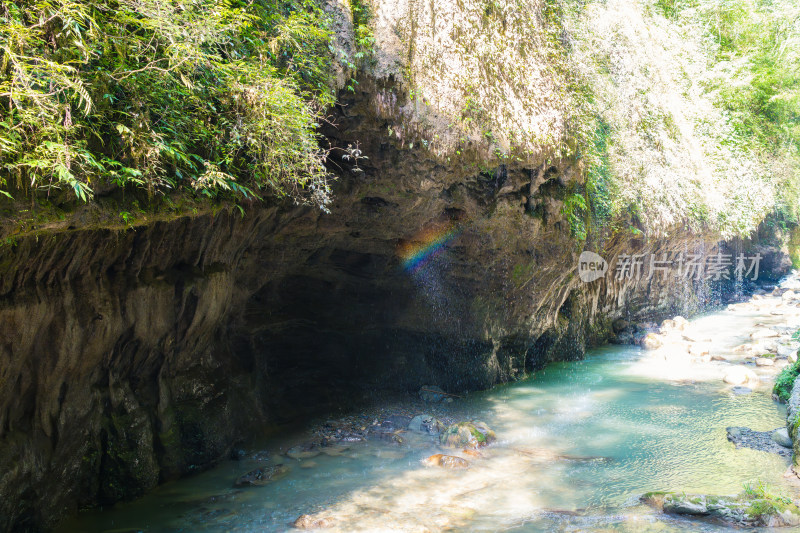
{"x": 129, "y": 357}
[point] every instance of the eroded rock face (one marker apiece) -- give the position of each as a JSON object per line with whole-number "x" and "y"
{"x": 131, "y": 357}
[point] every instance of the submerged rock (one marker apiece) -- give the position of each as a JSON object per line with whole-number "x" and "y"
{"x": 472, "y": 453}
{"x": 262, "y": 476}
{"x": 467, "y": 435}
{"x": 446, "y": 461}
{"x": 396, "y": 422}
{"x": 425, "y": 424}
{"x": 432, "y": 393}
{"x": 303, "y": 451}
{"x": 308, "y": 521}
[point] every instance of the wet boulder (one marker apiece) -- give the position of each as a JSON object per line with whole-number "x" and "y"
{"x": 467, "y": 435}
{"x": 395, "y": 422}
{"x": 781, "y": 437}
{"x": 262, "y": 476}
{"x": 786, "y": 350}
{"x": 425, "y": 424}
{"x": 446, "y": 461}
{"x": 680, "y": 323}
{"x": 469, "y": 452}
{"x": 652, "y": 341}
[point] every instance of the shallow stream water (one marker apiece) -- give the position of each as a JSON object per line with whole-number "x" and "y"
{"x": 578, "y": 443}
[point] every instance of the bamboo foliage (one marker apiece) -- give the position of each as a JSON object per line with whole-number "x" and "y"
{"x": 219, "y": 97}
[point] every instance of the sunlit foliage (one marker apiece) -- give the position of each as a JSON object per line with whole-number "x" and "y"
{"x": 214, "y": 96}
{"x": 690, "y": 110}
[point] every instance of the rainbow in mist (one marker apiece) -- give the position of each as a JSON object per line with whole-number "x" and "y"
{"x": 426, "y": 245}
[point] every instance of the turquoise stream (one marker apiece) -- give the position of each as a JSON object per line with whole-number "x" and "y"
{"x": 577, "y": 444}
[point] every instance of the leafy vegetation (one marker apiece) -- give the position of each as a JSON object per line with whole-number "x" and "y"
{"x": 764, "y": 500}
{"x": 785, "y": 381}
{"x": 218, "y": 97}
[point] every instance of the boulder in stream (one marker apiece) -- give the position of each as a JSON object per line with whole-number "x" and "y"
{"x": 446, "y": 461}
{"x": 739, "y": 375}
{"x": 680, "y": 323}
{"x": 652, "y": 341}
{"x": 425, "y": 424}
{"x": 303, "y": 451}
{"x": 467, "y": 435}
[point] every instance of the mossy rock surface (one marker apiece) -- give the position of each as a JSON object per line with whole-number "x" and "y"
{"x": 467, "y": 435}
{"x": 754, "y": 508}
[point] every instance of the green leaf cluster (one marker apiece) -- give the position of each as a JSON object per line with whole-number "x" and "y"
{"x": 219, "y": 97}
{"x": 785, "y": 381}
